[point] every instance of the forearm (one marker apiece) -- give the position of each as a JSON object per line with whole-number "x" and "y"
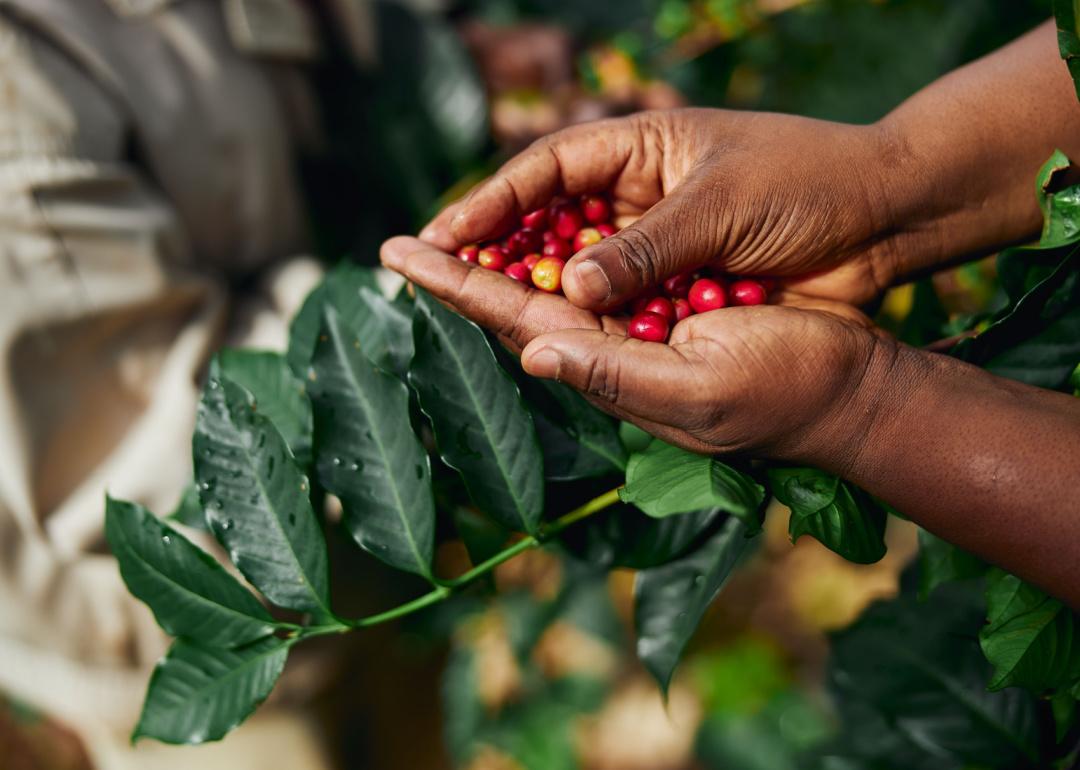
{"x": 961, "y": 155}
{"x": 989, "y": 464}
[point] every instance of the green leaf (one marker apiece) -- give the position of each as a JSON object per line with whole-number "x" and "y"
{"x": 199, "y": 694}
{"x": 279, "y": 394}
{"x": 669, "y": 601}
{"x": 189, "y": 593}
{"x": 926, "y": 321}
{"x": 451, "y": 92}
{"x": 354, "y": 293}
{"x": 841, "y": 517}
{"x": 1067, "y": 13}
{"x": 1063, "y": 706}
{"x": 1037, "y": 340}
{"x": 916, "y": 666}
{"x": 941, "y": 562}
{"x": 189, "y": 510}
{"x": 578, "y": 440}
{"x": 256, "y": 499}
{"x": 1061, "y": 219}
{"x": 623, "y": 536}
{"x": 633, "y": 438}
{"x": 481, "y": 426}
{"x": 664, "y": 480}
{"x": 367, "y": 453}
{"x": 1031, "y": 639}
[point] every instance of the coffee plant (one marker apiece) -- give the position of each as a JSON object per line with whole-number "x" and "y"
{"x": 419, "y": 425}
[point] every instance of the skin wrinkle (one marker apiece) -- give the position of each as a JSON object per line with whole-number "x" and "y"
{"x": 834, "y": 213}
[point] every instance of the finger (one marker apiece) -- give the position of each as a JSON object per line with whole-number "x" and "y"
{"x": 505, "y": 306}
{"x": 579, "y": 159}
{"x": 677, "y": 234}
{"x": 649, "y": 381}
{"x": 437, "y": 231}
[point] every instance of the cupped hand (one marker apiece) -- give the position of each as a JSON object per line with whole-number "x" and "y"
{"x": 749, "y": 193}
{"x": 776, "y": 381}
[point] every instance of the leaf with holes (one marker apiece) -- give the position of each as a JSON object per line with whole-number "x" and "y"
{"x": 256, "y": 499}
{"x": 198, "y": 694}
{"x": 481, "y": 426}
{"x": 189, "y": 593}
{"x": 367, "y": 455}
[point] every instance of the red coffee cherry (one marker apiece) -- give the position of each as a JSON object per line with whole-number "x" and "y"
{"x": 492, "y": 257}
{"x": 747, "y": 292}
{"x": 519, "y": 271}
{"x": 682, "y": 309}
{"x": 586, "y": 236}
{"x": 535, "y": 219}
{"x": 596, "y": 209}
{"x": 678, "y": 285}
{"x": 651, "y": 327}
{"x": 661, "y": 306}
{"x": 705, "y": 295}
{"x": 530, "y": 260}
{"x": 606, "y": 230}
{"x": 547, "y": 274}
{"x": 639, "y": 304}
{"x": 549, "y": 236}
{"x": 557, "y": 248}
{"x": 566, "y": 220}
{"x": 469, "y": 253}
{"x": 524, "y": 241}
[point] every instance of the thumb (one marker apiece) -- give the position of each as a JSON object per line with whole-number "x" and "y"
{"x": 631, "y": 376}
{"x": 677, "y": 234}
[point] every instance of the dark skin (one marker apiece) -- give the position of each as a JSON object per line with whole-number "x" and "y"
{"x": 838, "y": 213}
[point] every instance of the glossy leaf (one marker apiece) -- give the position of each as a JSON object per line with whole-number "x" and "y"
{"x": 189, "y": 510}
{"x": 623, "y": 536}
{"x": 1031, "y": 639}
{"x": 367, "y": 455}
{"x": 669, "y": 601}
{"x": 354, "y": 293}
{"x": 841, "y": 517}
{"x": 279, "y": 394}
{"x": 1067, "y": 14}
{"x": 578, "y": 440}
{"x": 189, "y": 593}
{"x": 941, "y": 562}
{"x": 916, "y": 666}
{"x": 256, "y": 499}
{"x": 481, "y": 426}
{"x": 664, "y": 480}
{"x": 198, "y": 694}
{"x": 1061, "y": 218}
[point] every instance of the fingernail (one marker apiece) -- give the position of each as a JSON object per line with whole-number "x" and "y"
{"x": 594, "y": 281}
{"x": 543, "y": 363}
{"x": 427, "y": 234}
{"x": 394, "y": 251}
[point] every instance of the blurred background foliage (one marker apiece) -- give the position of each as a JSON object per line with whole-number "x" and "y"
{"x": 544, "y": 677}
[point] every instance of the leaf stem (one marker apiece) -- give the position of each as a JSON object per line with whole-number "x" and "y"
{"x": 446, "y": 588}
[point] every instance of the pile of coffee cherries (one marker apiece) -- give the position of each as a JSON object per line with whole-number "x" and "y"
{"x": 536, "y": 253}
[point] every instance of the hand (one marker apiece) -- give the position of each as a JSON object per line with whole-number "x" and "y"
{"x": 785, "y": 382}
{"x": 757, "y": 194}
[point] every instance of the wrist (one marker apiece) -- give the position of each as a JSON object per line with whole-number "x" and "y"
{"x": 866, "y": 414}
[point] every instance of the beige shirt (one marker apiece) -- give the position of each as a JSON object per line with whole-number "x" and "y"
{"x": 146, "y": 153}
